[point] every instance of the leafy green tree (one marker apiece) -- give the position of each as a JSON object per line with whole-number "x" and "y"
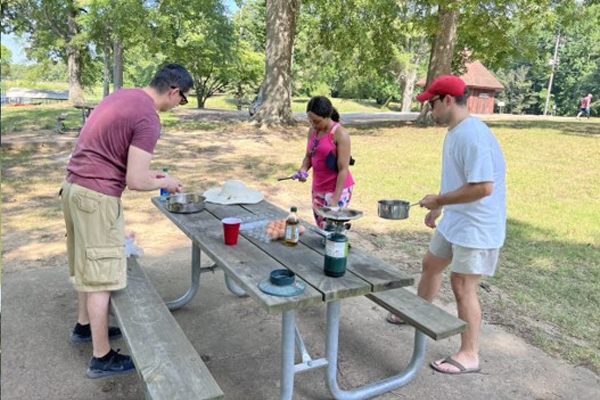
{"x": 518, "y": 94}
{"x": 54, "y": 32}
{"x": 197, "y": 34}
{"x": 6, "y": 61}
{"x": 248, "y": 72}
{"x": 249, "y": 50}
{"x": 250, "y": 22}
{"x": 577, "y": 71}
{"x": 115, "y": 28}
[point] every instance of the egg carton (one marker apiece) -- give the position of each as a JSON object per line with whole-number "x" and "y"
{"x": 251, "y": 222}
{"x": 255, "y": 226}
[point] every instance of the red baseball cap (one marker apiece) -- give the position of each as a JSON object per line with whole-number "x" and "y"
{"x": 444, "y": 85}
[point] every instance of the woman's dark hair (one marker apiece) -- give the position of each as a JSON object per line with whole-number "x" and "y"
{"x": 322, "y": 106}
{"x": 172, "y": 76}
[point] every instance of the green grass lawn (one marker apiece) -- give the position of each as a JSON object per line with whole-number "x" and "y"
{"x": 550, "y": 264}
{"x": 548, "y": 283}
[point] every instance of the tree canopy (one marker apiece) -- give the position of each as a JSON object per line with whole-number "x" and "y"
{"x": 354, "y": 49}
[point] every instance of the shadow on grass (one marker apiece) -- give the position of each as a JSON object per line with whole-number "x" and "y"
{"x": 18, "y": 119}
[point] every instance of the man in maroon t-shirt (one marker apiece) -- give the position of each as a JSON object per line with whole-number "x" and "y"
{"x": 114, "y": 151}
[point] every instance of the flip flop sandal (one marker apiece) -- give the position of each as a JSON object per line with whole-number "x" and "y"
{"x": 394, "y": 319}
{"x": 451, "y": 361}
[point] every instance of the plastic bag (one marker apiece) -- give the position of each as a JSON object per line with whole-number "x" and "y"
{"x": 131, "y": 249}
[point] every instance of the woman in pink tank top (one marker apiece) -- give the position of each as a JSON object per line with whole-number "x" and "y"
{"x": 327, "y": 138}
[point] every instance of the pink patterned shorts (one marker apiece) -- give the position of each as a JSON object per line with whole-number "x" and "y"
{"x": 324, "y": 200}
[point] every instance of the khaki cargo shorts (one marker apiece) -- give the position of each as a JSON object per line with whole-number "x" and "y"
{"x": 95, "y": 239}
{"x": 465, "y": 260}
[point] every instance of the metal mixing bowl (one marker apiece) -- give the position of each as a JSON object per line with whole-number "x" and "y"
{"x": 185, "y": 203}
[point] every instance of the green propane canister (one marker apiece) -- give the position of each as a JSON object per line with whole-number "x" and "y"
{"x": 336, "y": 255}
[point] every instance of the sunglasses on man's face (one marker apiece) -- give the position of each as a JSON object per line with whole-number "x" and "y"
{"x": 184, "y": 99}
{"x": 434, "y": 99}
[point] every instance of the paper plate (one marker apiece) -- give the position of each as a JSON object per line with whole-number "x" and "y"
{"x": 294, "y": 289}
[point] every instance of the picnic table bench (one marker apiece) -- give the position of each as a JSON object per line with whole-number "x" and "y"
{"x": 164, "y": 358}
{"x": 418, "y": 312}
{"x": 86, "y": 110}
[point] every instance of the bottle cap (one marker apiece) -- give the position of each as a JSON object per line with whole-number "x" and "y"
{"x": 293, "y": 209}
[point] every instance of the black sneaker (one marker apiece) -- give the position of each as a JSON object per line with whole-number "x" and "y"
{"x": 83, "y": 334}
{"x": 112, "y": 364}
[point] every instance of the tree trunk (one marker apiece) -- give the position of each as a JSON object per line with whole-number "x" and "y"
{"x": 276, "y": 108}
{"x": 106, "y": 70}
{"x": 74, "y": 61}
{"x": 442, "y": 51}
{"x": 408, "y": 87}
{"x": 239, "y": 96}
{"x": 118, "y": 65}
{"x": 418, "y": 47}
{"x": 200, "y": 88}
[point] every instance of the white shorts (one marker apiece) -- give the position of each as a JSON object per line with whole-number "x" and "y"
{"x": 465, "y": 260}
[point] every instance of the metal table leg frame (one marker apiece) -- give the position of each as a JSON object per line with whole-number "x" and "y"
{"x": 289, "y": 337}
{"x": 233, "y": 287}
{"x": 186, "y": 298}
{"x": 301, "y": 347}
{"x": 307, "y": 362}
{"x": 288, "y": 350}
{"x": 376, "y": 388}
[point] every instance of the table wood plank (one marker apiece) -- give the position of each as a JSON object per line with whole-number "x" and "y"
{"x": 378, "y": 273}
{"x": 302, "y": 260}
{"x": 246, "y": 264}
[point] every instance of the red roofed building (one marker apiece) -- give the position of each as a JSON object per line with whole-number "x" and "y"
{"x": 483, "y": 86}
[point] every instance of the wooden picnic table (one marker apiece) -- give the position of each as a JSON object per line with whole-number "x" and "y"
{"x": 86, "y": 110}
{"x": 252, "y": 260}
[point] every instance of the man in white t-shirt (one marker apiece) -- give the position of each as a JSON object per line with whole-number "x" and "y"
{"x": 473, "y": 227}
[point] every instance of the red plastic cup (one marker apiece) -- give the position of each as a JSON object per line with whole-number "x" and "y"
{"x": 231, "y": 230}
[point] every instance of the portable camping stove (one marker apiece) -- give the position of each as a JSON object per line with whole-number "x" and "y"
{"x": 336, "y": 243}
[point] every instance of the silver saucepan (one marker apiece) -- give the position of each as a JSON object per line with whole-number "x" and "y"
{"x": 394, "y": 209}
